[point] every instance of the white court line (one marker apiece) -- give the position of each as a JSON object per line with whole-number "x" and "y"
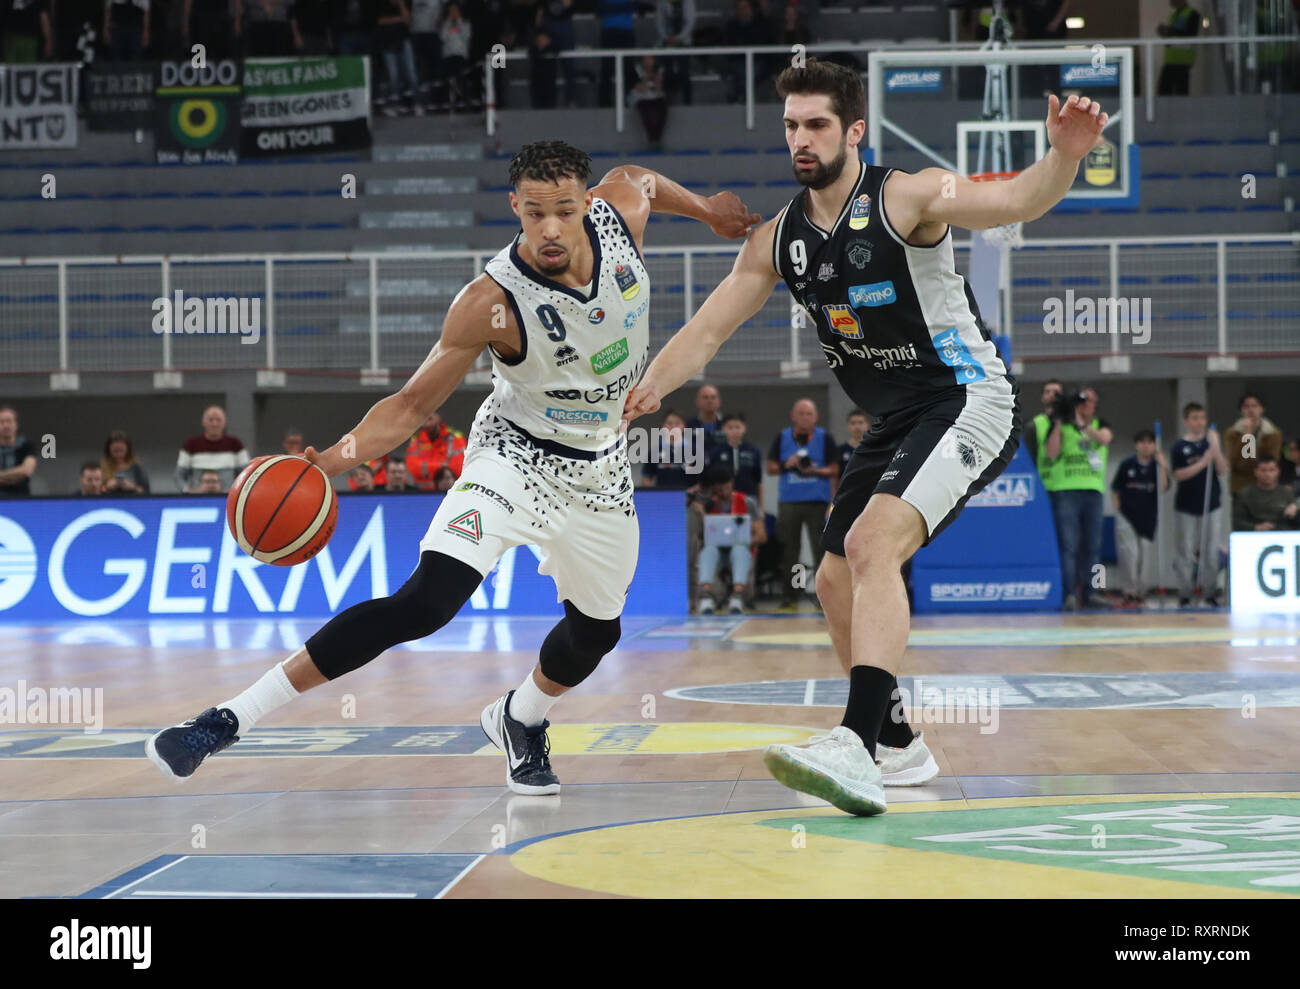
{"x": 459, "y": 876}
{"x": 161, "y": 868}
{"x": 808, "y": 692}
{"x": 238, "y": 894}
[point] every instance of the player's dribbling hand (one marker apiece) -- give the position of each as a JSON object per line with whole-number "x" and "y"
{"x": 728, "y": 216}
{"x": 1074, "y": 128}
{"x": 641, "y": 401}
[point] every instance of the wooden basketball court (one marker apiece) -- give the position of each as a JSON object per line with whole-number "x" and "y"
{"x": 1136, "y": 754}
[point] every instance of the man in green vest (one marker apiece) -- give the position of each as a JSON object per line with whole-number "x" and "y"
{"x": 1041, "y": 425}
{"x": 1078, "y": 482}
{"x": 1184, "y": 22}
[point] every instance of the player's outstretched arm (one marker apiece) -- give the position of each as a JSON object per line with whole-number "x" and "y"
{"x": 467, "y": 329}
{"x": 936, "y": 196}
{"x": 640, "y": 191}
{"x": 737, "y": 297}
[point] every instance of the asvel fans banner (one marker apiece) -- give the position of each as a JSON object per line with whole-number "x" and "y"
{"x": 305, "y": 105}
{"x": 158, "y": 557}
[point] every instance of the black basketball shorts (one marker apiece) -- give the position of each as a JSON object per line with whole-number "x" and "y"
{"x": 934, "y": 458}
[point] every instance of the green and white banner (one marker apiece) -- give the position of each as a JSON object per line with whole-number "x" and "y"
{"x": 305, "y": 105}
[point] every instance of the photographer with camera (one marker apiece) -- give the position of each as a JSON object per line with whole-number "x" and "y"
{"x": 733, "y": 523}
{"x": 806, "y": 459}
{"x": 1076, "y": 449}
{"x": 1041, "y": 425}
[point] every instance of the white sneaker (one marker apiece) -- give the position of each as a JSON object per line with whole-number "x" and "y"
{"x": 706, "y": 605}
{"x": 836, "y": 767}
{"x": 735, "y": 605}
{"x": 911, "y": 766}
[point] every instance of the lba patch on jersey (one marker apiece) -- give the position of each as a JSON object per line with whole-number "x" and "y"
{"x": 861, "y": 212}
{"x": 626, "y": 280}
{"x": 843, "y": 321}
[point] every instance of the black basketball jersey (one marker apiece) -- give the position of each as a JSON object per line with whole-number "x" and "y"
{"x": 897, "y": 323}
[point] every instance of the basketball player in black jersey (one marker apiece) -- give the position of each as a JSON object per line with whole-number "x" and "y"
{"x": 867, "y": 252}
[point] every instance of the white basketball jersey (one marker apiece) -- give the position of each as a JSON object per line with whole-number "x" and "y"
{"x": 581, "y": 351}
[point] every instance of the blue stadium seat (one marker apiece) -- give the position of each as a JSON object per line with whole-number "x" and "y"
{"x": 1180, "y": 280}
{"x": 247, "y": 194}
{"x": 1072, "y": 280}
{"x": 115, "y": 229}
{"x": 780, "y": 183}
{"x": 1184, "y": 316}
{"x": 1262, "y": 208}
{"x": 235, "y": 228}
{"x": 1030, "y": 282}
{"x": 203, "y": 194}
{"x": 1167, "y": 209}
{"x": 738, "y": 151}
{"x": 1278, "y": 276}
{"x": 290, "y": 193}
{"x": 690, "y": 152}
{"x": 194, "y": 228}
{"x": 326, "y": 226}
{"x": 1202, "y": 142}
{"x": 1211, "y": 208}
{"x": 1248, "y": 140}
{"x": 1159, "y": 176}
{"x": 149, "y": 228}
{"x": 1208, "y": 175}
{"x": 1134, "y": 280}
{"x": 497, "y": 188}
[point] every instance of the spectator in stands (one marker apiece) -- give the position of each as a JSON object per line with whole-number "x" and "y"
{"x": 399, "y": 478}
{"x": 1134, "y": 489}
{"x": 708, "y": 414}
{"x": 857, "y": 424}
{"x": 647, "y": 95}
{"x": 794, "y": 27}
{"x": 805, "y": 457}
{"x": 556, "y": 18}
{"x": 444, "y": 480}
{"x": 17, "y": 456}
{"x": 434, "y": 445}
{"x": 312, "y": 24}
{"x": 210, "y": 482}
{"x": 1175, "y": 74}
{"x": 1193, "y": 456}
{"x": 744, "y": 459}
{"x": 720, "y": 497}
{"x": 122, "y": 473}
{"x": 126, "y": 29}
{"x": 27, "y": 31}
{"x": 211, "y": 449}
{"x": 427, "y": 46}
{"x": 91, "y": 480}
{"x": 676, "y": 22}
{"x": 455, "y": 34}
{"x": 393, "y": 35}
{"x": 76, "y": 24}
{"x": 1036, "y": 433}
{"x": 617, "y": 30}
{"x": 356, "y": 26}
{"x": 666, "y": 470}
{"x": 1078, "y": 483}
{"x": 266, "y": 29}
{"x": 362, "y": 479}
{"x": 542, "y": 68}
{"x": 1252, "y": 437}
{"x": 209, "y": 22}
{"x": 1288, "y": 463}
{"x": 745, "y": 28}
{"x": 1265, "y": 505}
{"x": 292, "y": 441}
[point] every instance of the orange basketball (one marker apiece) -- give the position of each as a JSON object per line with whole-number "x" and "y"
{"x": 281, "y": 510}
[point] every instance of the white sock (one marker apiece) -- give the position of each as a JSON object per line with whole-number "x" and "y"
{"x": 272, "y": 691}
{"x": 529, "y": 704}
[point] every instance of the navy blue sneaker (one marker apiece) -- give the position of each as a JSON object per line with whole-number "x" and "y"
{"x": 528, "y": 750}
{"x": 178, "y": 750}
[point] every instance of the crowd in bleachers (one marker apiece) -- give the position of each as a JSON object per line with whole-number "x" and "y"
{"x": 1069, "y": 441}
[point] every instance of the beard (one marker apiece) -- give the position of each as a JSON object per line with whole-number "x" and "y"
{"x": 822, "y": 174}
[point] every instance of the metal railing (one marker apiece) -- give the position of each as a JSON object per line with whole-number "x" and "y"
{"x": 375, "y": 313}
{"x": 1240, "y": 54}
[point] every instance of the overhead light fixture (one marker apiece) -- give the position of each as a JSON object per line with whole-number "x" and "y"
{"x": 1074, "y": 23}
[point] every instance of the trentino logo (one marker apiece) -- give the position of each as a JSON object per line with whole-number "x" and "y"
{"x": 875, "y": 294}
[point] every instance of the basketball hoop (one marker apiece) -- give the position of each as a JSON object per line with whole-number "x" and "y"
{"x": 1010, "y": 235}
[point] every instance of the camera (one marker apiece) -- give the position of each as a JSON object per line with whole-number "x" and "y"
{"x": 1065, "y": 405}
{"x": 805, "y": 462}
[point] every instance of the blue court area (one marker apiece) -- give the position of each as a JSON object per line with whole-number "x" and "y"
{"x": 289, "y": 877}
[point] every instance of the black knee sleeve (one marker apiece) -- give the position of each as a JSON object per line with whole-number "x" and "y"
{"x": 577, "y": 645}
{"x": 428, "y": 600}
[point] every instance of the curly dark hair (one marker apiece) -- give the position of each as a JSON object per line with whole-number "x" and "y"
{"x": 549, "y": 161}
{"x": 843, "y": 86}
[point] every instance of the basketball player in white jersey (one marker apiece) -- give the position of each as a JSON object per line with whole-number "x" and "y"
{"x": 867, "y": 251}
{"x": 564, "y": 313}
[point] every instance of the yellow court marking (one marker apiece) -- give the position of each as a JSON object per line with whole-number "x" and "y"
{"x": 671, "y": 738}
{"x": 744, "y": 855}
